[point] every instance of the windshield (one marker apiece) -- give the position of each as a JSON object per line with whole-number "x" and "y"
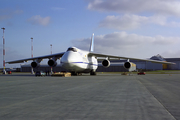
{"x": 72, "y": 49}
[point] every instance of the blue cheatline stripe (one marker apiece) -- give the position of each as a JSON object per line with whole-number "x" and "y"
{"x": 84, "y": 63}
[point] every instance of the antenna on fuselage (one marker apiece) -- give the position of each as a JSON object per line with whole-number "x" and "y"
{"x": 91, "y": 49}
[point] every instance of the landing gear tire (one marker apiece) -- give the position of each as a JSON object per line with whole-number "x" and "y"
{"x": 75, "y": 74}
{"x": 92, "y": 73}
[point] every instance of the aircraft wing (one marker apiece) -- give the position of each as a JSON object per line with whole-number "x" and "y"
{"x": 57, "y": 55}
{"x": 119, "y": 57}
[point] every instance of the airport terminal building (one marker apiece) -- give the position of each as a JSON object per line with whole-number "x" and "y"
{"x": 117, "y": 66}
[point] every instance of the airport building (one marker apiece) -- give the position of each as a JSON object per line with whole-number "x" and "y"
{"x": 117, "y": 66}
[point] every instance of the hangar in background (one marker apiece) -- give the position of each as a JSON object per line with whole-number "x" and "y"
{"x": 117, "y": 66}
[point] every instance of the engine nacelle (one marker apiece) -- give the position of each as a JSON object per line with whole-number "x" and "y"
{"x": 130, "y": 66}
{"x": 35, "y": 64}
{"x": 106, "y": 63}
{"x": 52, "y": 63}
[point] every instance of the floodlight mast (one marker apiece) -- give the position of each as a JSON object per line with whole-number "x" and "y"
{"x": 51, "y": 48}
{"x": 32, "y": 71}
{"x": 51, "y": 53}
{"x": 4, "y": 69}
{"x": 32, "y": 47}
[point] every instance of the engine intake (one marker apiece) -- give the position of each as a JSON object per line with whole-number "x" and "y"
{"x": 52, "y": 63}
{"x": 106, "y": 63}
{"x": 35, "y": 64}
{"x": 130, "y": 66}
{"x": 127, "y": 65}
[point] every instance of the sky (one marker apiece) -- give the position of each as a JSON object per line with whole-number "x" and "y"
{"x": 139, "y": 29}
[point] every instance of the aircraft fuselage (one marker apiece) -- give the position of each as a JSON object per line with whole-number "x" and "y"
{"x": 76, "y": 60}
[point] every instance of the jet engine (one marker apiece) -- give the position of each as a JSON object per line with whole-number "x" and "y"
{"x": 130, "y": 66}
{"x": 106, "y": 63}
{"x": 35, "y": 64}
{"x": 52, "y": 63}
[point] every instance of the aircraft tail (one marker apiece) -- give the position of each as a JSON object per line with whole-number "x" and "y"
{"x": 91, "y": 49}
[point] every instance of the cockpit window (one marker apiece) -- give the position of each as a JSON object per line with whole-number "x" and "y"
{"x": 72, "y": 49}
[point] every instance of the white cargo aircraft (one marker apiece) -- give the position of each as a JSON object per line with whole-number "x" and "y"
{"x": 78, "y": 61}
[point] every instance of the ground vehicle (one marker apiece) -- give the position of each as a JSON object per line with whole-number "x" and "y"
{"x": 141, "y": 73}
{"x": 40, "y": 73}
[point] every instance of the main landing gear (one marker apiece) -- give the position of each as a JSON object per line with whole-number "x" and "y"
{"x": 92, "y": 73}
{"x": 75, "y": 74}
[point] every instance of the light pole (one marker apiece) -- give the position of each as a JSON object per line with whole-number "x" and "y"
{"x": 51, "y": 48}
{"x": 32, "y": 47}
{"x": 4, "y": 69}
{"x": 51, "y": 53}
{"x": 32, "y": 72}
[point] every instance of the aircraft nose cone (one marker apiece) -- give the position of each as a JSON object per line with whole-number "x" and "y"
{"x": 69, "y": 59}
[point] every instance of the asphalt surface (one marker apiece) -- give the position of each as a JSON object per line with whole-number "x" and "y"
{"x": 101, "y": 97}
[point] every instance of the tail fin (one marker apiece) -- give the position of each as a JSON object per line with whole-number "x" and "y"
{"x": 91, "y": 49}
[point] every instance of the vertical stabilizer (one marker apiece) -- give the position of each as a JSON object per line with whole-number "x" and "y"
{"x": 91, "y": 49}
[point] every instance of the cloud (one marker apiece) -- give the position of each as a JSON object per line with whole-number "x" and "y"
{"x": 8, "y": 13}
{"x": 4, "y": 17}
{"x": 174, "y": 24}
{"x": 165, "y": 7}
{"x": 123, "y": 22}
{"x": 57, "y": 8}
{"x": 18, "y": 11}
{"x": 171, "y": 53}
{"x": 122, "y": 43}
{"x": 157, "y": 12}
{"x": 133, "y": 15}
{"x": 38, "y": 20}
{"x": 129, "y": 21}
